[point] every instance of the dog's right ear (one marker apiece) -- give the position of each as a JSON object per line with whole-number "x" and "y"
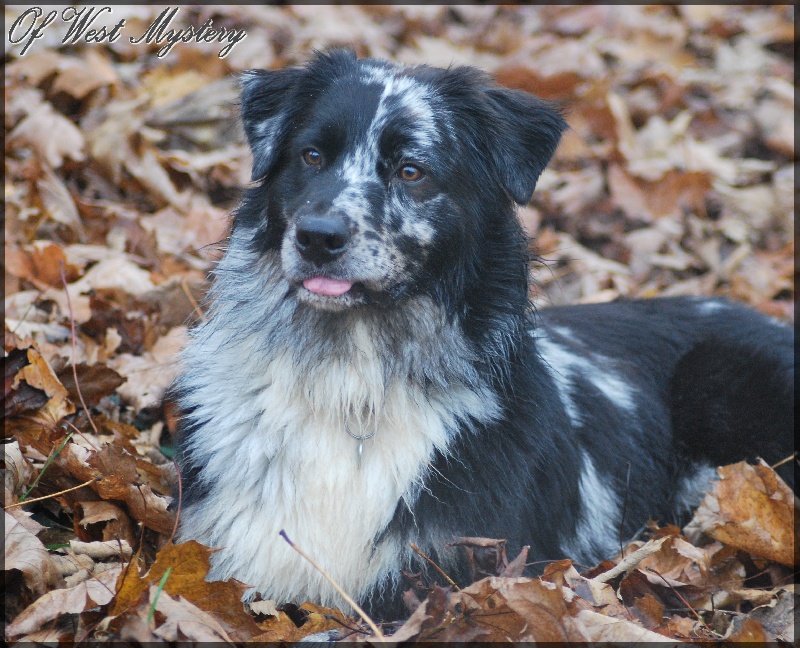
{"x": 266, "y": 98}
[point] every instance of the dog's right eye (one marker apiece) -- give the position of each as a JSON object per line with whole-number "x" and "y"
{"x": 312, "y": 157}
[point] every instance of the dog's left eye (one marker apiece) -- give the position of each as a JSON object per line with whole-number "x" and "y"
{"x": 410, "y": 173}
{"x": 312, "y": 157}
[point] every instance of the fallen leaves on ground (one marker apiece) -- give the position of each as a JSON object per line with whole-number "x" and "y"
{"x": 121, "y": 168}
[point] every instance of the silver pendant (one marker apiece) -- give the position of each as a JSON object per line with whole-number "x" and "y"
{"x": 360, "y": 439}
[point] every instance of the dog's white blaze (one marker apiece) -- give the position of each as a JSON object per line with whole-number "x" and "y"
{"x": 610, "y": 384}
{"x": 360, "y": 166}
{"x": 564, "y": 360}
{"x": 378, "y": 74}
{"x": 597, "y": 528}
{"x": 295, "y": 463}
{"x": 414, "y": 100}
{"x": 558, "y": 361}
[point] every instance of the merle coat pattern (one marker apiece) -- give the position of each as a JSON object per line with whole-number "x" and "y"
{"x": 376, "y": 285}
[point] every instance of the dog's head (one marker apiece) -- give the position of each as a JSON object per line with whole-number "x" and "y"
{"x": 373, "y": 178}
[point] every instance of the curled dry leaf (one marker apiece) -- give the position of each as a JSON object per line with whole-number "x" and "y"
{"x": 678, "y": 561}
{"x": 777, "y": 617}
{"x": 25, "y": 552}
{"x": 126, "y": 164}
{"x": 102, "y": 550}
{"x": 55, "y": 603}
{"x": 745, "y": 629}
{"x": 513, "y": 609}
{"x": 57, "y": 202}
{"x": 120, "y": 481}
{"x": 485, "y": 556}
{"x": 750, "y": 508}
{"x": 116, "y": 272}
{"x": 114, "y": 521}
{"x": 315, "y": 619}
{"x": 149, "y": 374}
{"x": 39, "y": 374}
{"x": 52, "y": 135}
{"x": 432, "y": 614}
{"x": 184, "y": 621}
{"x": 599, "y": 594}
{"x": 18, "y": 470}
{"x": 79, "y": 78}
{"x": 40, "y": 264}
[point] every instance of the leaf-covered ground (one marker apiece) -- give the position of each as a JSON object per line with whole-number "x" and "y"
{"x": 121, "y": 169}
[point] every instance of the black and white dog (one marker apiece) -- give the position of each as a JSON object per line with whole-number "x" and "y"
{"x": 371, "y": 373}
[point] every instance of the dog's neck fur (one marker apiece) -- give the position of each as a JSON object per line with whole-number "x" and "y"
{"x": 280, "y": 437}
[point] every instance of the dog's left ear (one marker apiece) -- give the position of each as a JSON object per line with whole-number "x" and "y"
{"x": 526, "y": 131}
{"x": 265, "y": 106}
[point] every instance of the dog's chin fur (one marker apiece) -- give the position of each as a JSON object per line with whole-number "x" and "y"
{"x": 330, "y": 303}
{"x": 476, "y": 416}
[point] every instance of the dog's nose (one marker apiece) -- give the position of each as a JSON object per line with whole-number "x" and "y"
{"x": 321, "y": 239}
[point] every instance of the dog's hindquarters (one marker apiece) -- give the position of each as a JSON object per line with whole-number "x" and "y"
{"x": 732, "y": 393}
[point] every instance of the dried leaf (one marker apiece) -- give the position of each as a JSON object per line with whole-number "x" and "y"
{"x": 114, "y": 521}
{"x": 185, "y": 621}
{"x": 520, "y": 609}
{"x": 50, "y": 134}
{"x": 57, "y": 602}
{"x": 750, "y": 508}
{"x": 596, "y": 627}
{"x": 119, "y": 481}
{"x": 25, "y": 552}
{"x": 95, "y": 382}
{"x": 101, "y": 550}
{"x": 430, "y": 615}
{"x": 189, "y": 564}
{"x": 777, "y": 617}
{"x": 39, "y": 375}
{"x": 18, "y": 471}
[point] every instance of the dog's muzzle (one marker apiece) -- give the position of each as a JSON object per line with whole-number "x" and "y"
{"x": 321, "y": 239}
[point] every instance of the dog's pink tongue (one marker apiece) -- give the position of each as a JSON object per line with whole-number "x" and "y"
{"x": 325, "y": 286}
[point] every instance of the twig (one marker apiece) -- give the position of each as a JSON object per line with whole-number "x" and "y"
{"x": 434, "y": 565}
{"x": 785, "y": 460}
{"x": 39, "y": 499}
{"x": 685, "y": 602}
{"x": 624, "y": 509}
{"x": 180, "y": 501}
{"x": 72, "y": 336}
{"x": 193, "y": 301}
{"x": 82, "y": 435}
{"x": 627, "y": 564}
{"x": 375, "y": 629}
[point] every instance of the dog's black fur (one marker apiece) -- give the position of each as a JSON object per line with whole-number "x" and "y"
{"x": 513, "y": 424}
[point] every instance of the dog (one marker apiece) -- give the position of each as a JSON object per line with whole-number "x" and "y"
{"x": 371, "y": 372}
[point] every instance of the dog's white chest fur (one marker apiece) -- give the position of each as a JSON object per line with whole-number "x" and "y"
{"x": 277, "y": 456}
